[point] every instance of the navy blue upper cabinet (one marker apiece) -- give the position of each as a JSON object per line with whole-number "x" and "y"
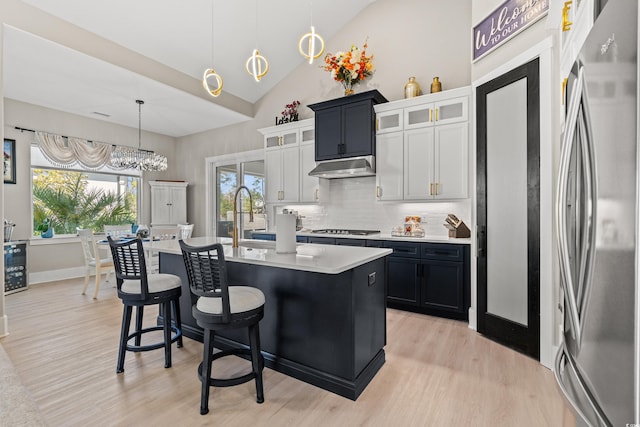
{"x": 346, "y": 127}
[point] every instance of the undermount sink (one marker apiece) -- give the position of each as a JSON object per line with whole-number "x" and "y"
{"x": 256, "y": 244}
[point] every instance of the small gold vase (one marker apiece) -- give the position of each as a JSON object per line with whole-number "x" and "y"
{"x": 436, "y": 86}
{"x": 412, "y": 88}
{"x": 348, "y": 92}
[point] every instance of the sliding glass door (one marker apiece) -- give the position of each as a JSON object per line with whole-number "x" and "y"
{"x": 229, "y": 176}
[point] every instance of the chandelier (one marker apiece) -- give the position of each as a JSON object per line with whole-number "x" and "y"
{"x": 131, "y": 158}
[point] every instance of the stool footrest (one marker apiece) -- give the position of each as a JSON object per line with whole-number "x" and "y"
{"x": 177, "y": 333}
{"x": 228, "y": 382}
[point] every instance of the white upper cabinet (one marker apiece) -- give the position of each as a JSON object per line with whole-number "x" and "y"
{"x": 389, "y": 121}
{"x": 389, "y": 166}
{"x": 168, "y": 202}
{"x": 427, "y": 158}
{"x": 309, "y": 185}
{"x": 289, "y": 157}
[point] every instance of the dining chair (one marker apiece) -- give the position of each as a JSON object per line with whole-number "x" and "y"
{"x": 185, "y": 230}
{"x": 223, "y": 307}
{"x": 138, "y": 289}
{"x": 93, "y": 262}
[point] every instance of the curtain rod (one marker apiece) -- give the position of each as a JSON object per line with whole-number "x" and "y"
{"x": 21, "y": 129}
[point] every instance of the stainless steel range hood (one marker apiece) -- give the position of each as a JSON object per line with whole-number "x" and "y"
{"x": 345, "y": 168}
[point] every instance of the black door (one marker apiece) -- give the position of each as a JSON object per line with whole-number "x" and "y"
{"x": 508, "y": 205}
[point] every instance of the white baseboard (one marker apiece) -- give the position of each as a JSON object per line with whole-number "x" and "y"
{"x": 54, "y": 275}
{"x": 4, "y": 326}
{"x": 473, "y": 321}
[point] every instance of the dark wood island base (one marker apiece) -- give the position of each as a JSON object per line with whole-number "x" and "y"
{"x": 328, "y": 330}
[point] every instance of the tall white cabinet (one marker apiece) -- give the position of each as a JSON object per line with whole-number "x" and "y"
{"x": 168, "y": 202}
{"x": 289, "y": 157}
{"x": 422, "y": 147}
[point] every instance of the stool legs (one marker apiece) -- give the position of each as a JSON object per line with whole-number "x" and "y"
{"x": 178, "y": 319}
{"x": 124, "y": 334}
{"x": 256, "y": 360}
{"x": 206, "y": 371}
{"x": 139, "y": 317}
{"x": 166, "y": 308}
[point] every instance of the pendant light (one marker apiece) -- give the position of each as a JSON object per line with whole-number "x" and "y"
{"x": 257, "y": 65}
{"x": 210, "y": 75}
{"x": 311, "y": 38}
{"x": 130, "y": 158}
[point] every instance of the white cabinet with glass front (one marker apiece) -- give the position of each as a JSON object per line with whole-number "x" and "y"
{"x": 433, "y": 160}
{"x": 288, "y": 160}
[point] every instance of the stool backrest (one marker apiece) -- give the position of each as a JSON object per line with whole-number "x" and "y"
{"x": 207, "y": 273}
{"x": 129, "y": 263}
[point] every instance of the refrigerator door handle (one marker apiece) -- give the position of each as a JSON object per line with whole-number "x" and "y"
{"x": 568, "y": 139}
{"x": 564, "y": 362}
{"x": 589, "y": 242}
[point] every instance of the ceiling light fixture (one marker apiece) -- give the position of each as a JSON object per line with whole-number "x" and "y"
{"x": 210, "y": 75}
{"x": 130, "y": 158}
{"x": 254, "y": 64}
{"x": 311, "y": 38}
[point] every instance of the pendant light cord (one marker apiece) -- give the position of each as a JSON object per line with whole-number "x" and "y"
{"x": 139, "y": 102}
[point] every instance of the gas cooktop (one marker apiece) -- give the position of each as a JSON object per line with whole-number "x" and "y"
{"x": 345, "y": 231}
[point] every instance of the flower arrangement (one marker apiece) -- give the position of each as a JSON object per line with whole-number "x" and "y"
{"x": 289, "y": 114}
{"x": 349, "y": 68}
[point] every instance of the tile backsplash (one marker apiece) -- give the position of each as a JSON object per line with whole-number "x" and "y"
{"x": 351, "y": 203}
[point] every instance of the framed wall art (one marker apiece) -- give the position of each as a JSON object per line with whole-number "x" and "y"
{"x": 9, "y": 161}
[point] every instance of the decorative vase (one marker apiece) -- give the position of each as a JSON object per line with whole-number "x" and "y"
{"x": 436, "y": 85}
{"x": 412, "y": 88}
{"x": 47, "y": 234}
{"x": 347, "y": 87}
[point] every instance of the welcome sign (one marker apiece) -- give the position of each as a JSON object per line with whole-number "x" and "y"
{"x": 505, "y": 22}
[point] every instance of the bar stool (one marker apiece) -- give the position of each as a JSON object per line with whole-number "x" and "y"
{"x": 220, "y": 307}
{"x": 137, "y": 289}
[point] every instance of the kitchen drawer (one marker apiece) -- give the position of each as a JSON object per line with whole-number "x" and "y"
{"x": 322, "y": 240}
{"x": 404, "y": 249}
{"x": 263, "y": 236}
{"x": 351, "y": 242}
{"x": 375, "y": 243}
{"x": 442, "y": 251}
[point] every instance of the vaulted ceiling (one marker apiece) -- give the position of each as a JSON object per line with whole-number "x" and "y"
{"x": 175, "y": 39}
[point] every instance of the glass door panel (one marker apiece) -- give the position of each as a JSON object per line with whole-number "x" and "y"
{"x": 226, "y": 184}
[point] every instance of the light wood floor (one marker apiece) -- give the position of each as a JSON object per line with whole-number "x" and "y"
{"x": 438, "y": 373}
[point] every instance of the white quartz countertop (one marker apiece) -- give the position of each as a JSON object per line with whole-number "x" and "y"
{"x": 382, "y": 236}
{"x": 327, "y": 259}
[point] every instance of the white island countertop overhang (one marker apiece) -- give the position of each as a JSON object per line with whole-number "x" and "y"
{"x": 328, "y": 259}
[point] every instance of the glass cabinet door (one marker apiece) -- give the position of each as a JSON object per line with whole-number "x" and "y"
{"x": 451, "y": 111}
{"x": 388, "y": 121}
{"x": 418, "y": 116}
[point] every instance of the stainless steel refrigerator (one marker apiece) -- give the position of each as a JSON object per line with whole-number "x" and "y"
{"x": 597, "y": 366}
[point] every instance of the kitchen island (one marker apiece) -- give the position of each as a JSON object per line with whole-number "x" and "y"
{"x": 325, "y": 310}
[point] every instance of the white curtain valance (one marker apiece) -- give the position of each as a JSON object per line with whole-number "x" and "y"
{"x": 66, "y": 153}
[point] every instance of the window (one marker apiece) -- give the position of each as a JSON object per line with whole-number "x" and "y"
{"x": 72, "y": 198}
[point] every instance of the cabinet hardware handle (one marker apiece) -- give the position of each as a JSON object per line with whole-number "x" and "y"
{"x": 564, "y": 88}
{"x": 430, "y": 115}
{"x": 377, "y": 191}
{"x": 437, "y": 114}
{"x": 377, "y": 124}
{"x": 317, "y": 191}
{"x": 566, "y": 24}
{"x": 437, "y": 184}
